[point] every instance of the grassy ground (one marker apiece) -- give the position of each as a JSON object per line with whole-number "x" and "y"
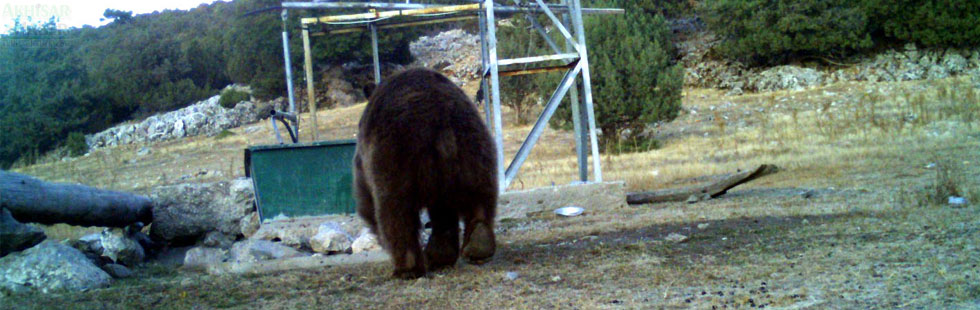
{"x": 856, "y": 219}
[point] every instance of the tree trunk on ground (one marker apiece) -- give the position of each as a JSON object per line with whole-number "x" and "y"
{"x": 31, "y": 200}
{"x": 713, "y": 190}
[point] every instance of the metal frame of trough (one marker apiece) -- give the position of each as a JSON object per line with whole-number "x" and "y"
{"x": 574, "y": 55}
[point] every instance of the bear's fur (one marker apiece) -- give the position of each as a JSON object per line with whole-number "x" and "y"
{"x": 422, "y": 145}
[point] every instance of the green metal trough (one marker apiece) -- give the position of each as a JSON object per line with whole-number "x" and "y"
{"x": 302, "y": 179}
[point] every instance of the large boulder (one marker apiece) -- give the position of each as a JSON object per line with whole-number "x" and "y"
{"x": 50, "y": 266}
{"x": 185, "y": 212}
{"x": 15, "y": 236}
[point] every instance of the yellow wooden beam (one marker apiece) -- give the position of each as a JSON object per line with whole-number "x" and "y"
{"x": 384, "y": 14}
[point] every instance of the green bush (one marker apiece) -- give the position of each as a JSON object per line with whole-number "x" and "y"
{"x": 774, "y": 31}
{"x": 938, "y": 23}
{"x": 230, "y": 97}
{"x": 634, "y": 79}
{"x": 75, "y": 143}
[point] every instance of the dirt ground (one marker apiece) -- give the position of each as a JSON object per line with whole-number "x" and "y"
{"x": 857, "y": 218}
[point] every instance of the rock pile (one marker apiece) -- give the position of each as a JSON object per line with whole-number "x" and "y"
{"x": 205, "y": 117}
{"x": 906, "y": 64}
{"x": 454, "y": 53}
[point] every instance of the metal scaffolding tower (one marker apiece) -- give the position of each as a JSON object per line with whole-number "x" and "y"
{"x": 574, "y": 55}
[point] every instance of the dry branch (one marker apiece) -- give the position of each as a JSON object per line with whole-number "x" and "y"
{"x": 33, "y": 200}
{"x": 714, "y": 190}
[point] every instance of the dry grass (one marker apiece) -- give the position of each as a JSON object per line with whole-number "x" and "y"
{"x": 864, "y": 239}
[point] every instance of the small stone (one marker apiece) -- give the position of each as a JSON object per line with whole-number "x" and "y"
{"x": 957, "y": 201}
{"x": 807, "y": 194}
{"x": 703, "y": 225}
{"x": 556, "y": 279}
{"x": 511, "y": 275}
{"x": 202, "y": 257}
{"x": 143, "y": 151}
{"x": 693, "y": 199}
{"x": 676, "y": 238}
{"x": 217, "y": 239}
{"x": 117, "y": 271}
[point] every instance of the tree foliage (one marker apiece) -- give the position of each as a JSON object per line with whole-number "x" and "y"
{"x": 54, "y": 82}
{"x": 773, "y": 31}
{"x": 776, "y": 31}
{"x": 634, "y": 79}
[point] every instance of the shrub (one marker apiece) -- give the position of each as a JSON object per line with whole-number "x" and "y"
{"x": 230, "y": 97}
{"x": 75, "y": 143}
{"x": 773, "y": 31}
{"x": 634, "y": 80}
{"x": 938, "y": 23}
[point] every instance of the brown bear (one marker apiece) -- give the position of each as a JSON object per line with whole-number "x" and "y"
{"x": 422, "y": 145}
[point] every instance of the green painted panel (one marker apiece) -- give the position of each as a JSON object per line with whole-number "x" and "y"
{"x": 303, "y": 178}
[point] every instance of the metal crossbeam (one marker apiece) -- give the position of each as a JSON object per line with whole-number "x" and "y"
{"x": 549, "y": 110}
{"x": 533, "y": 59}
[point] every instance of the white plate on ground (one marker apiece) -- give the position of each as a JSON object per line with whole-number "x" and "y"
{"x": 569, "y": 211}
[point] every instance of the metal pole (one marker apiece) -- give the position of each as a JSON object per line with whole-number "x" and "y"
{"x": 580, "y": 136}
{"x": 310, "y": 92}
{"x": 587, "y": 88}
{"x": 484, "y": 69}
{"x": 374, "y": 49}
{"x": 289, "y": 72}
{"x": 495, "y": 93}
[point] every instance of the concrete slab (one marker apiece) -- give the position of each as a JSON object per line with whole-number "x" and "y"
{"x": 306, "y": 262}
{"x": 591, "y": 196}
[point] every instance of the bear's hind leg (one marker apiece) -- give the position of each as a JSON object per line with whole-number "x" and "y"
{"x": 399, "y": 231}
{"x": 479, "y": 242}
{"x": 442, "y": 250}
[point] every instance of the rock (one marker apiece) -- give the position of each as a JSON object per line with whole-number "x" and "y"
{"x": 594, "y": 197}
{"x": 179, "y": 129}
{"x": 365, "y": 242}
{"x": 330, "y": 238}
{"x": 957, "y": 201}
{"x": 293, "y": 235}
{"x": 117, "y": 271}
{"x": 120, "y": 248}
{"x": 48, "y": 267}
{"x": 199, "y": 258}
{"x": 955, "y": 63}
{"x": 250, "y": 224}
{"x": 89, "y": 244}
{"x": 217, "y": 239}
{"x": 737, "y": 91}
{"x": 511, "y": 275}
{"x": 253, "y": 250}
{"x": 454, "y": 52}
{"x": 16, "y": 236}
{"x": 937, "y": 72}
{"x": 183, "y": 213}
{"x": 787, "y": 77}
{"x": 676, "y": 238}
{"x": 703, "y": 226}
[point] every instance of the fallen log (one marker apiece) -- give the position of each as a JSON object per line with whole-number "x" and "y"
{"x": 714, "y": 189}
{"x": 31, "y": 200}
